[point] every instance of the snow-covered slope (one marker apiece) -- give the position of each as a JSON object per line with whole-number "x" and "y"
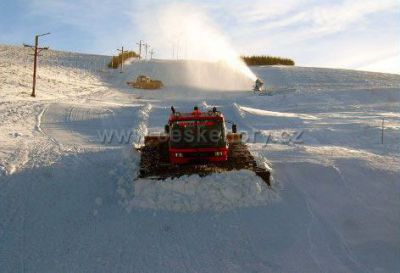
{"x": 71, "y": 202}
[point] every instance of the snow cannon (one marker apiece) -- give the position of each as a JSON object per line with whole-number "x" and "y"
{"x": 258, "y": 86}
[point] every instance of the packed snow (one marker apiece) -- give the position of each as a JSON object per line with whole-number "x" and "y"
{"x": 70, "y": 199}
{"x": 217, "y": 192}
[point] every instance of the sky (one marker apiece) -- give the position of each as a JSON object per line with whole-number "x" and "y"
{"x": 354, "y": 34}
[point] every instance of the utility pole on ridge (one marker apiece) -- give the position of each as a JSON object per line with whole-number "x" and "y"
{"x": 140, "y": 44}
{"x": 151, "y": 54}
{"x": 122, "y": 59}
{"x": 37, "y": 50}
{"x": 146, "y": 46}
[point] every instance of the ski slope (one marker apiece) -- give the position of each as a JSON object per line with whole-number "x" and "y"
{"x": 71, "y": 202}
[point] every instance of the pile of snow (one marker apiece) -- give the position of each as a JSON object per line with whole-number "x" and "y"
{"x": 216, "y": 192}
{"x": 141, "y": 130}
{"x": 261, "y": 112}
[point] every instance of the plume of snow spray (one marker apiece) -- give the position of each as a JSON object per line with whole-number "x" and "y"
{"x": 186, "y": 32}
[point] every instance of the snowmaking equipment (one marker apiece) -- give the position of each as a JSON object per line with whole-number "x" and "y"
{"x": 259, "y": 86}
{"x": 145, "y": 82}
{"x": 260, "y": 89}
{"x": 196, "y": 143}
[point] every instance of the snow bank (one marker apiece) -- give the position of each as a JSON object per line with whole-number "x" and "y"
{"x": 141, "y": 130}
{"x": 261, "y": 112}
{"x": 216, "y": 192}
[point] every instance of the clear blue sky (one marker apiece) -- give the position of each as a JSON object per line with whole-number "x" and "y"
{"x": 360, "y": 34}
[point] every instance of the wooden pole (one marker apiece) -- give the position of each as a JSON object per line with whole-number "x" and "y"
{"x": 140, "y": 48}
{"x": 35, "y": 66}
{"x": 177, "y": 50}
{"x": 146, "y": 47}
{"x": 122, "y": 59}
{"x": 37, "y": 50}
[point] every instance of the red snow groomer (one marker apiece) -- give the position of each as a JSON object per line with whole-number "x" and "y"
{"x": 197, "y": 137}
{"x": 196, "y": 143}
